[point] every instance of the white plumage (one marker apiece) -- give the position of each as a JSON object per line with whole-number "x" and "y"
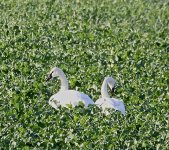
{"x": 66, "y": 97}
{"x": 107, "y": 102}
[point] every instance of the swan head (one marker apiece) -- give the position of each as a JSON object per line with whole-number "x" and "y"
{"x": 55, "y": 72}
{"x": 111, "y": 83}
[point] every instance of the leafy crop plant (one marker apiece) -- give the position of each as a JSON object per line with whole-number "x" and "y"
{"x": 89, "y": 40}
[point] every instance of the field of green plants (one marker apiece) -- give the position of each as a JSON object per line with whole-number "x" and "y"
{"x": 88, "y": 40}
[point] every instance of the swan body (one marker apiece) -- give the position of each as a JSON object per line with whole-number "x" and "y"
{"x": 65, "y": 96}
{"x": 107, "y": 102}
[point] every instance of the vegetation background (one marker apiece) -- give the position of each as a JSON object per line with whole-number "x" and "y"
{"x": 89, "y": 40}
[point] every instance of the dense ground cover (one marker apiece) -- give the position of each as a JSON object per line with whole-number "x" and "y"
{"x": 88, "y": 40}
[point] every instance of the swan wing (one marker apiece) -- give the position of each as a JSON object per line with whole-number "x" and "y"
{"x": 119, "y": 105}
{"x": 54, "y": 102}
{"x": 99, "y": 101}
{"x": 85, "y": 99}
{"x": 111, "y": 103}
{"x": 104, "y": 103}
{"x": 71, "y": 97}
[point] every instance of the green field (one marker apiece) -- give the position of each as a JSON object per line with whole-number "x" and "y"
{"x": 88, "y": 40}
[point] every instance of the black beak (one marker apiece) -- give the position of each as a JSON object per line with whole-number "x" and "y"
{"x": 112, "y": 90}
{"x": 49, "y": 77}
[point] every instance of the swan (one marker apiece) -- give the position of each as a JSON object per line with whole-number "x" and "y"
{"x": 106, "y": 101}
{"x": 65, "y": 96}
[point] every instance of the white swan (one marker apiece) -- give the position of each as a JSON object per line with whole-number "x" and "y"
{"x": 106, "y": 101}
{"x": 65, "y": 96}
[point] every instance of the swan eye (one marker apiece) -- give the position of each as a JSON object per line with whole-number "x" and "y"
{"x": 49, "y": 77}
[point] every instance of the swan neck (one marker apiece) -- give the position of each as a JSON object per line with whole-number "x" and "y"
{"x": 104, "y": 91}
{"x": 64, "y": 82}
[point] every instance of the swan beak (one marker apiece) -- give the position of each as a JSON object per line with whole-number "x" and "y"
{"x": 112, "y": 90}
{"x": 49, "y": 77}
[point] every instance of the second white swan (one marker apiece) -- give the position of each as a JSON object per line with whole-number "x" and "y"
{"x": 107, "y": 102}
{"x": 65, "y": 96}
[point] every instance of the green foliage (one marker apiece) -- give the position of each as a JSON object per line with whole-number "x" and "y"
{"x": 89, "y": 40}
